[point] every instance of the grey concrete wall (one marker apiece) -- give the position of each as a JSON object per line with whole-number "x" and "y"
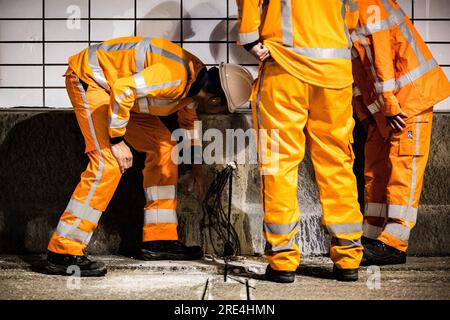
{"x": 41, "y": 158}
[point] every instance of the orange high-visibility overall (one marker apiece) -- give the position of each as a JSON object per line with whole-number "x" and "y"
{"x": 307, "y": 85}
{"x": 395, "y": 62}
{"x": 118, "y": 88}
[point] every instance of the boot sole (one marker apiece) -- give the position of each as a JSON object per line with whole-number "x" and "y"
{"x": 280, "y": 280}
{"x": 346, "y": 278}
{"x": 153, "y": 256}
{"x": 369, "y": 260}
{"x": 62, "y": 270}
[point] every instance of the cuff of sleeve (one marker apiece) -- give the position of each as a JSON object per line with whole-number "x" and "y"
{"x": 391, "y": 106}
{"x": 249, "y": 46}
{"x": 116, "y": 140}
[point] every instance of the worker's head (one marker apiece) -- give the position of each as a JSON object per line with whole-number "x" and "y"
{"x": 229, "y": 85}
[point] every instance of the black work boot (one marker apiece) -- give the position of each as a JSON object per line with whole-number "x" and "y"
{"x": 170, "y": 250}
{"x": 365, "y": 240}
{"x": 378, "y": 253}
{"x": 279, "y": 276}
{"x": 345, "y": 274}
{"x": 66, "y": 264}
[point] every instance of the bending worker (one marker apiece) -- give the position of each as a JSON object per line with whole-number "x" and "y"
{"x": 304, "y": 90}
{"x": 399, "y": 82}
{"x": 121, "y": 90}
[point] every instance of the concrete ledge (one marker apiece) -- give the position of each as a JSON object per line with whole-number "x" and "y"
{"x": 41, "y": 158}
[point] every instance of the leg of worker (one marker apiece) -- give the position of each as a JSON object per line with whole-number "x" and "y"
{"x": 160, "y": 184}
{"x": 99, "y": 180}
{"x": 329, "y": 130}
{"x": 146, "y": 133}
{"x": 279, "y": 106}
{"x": 90, "y": 198}
{"x": 376, "y": 170}
{"x": 408, "y": 158}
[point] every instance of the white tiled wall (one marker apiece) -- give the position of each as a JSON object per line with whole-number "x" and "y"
{"x": 31, "y": 71}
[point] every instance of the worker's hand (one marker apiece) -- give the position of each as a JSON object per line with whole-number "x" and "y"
{"x": 397, "y": 122}
{"x": 260, "y": 52}
{"x": 195, "y": 182}
{"x": 123, "y": 155}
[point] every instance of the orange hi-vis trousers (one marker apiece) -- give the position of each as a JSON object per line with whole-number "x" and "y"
{"x": 145, "y": 133}
{"x": 394, "y": 172}
{"x": 322, "y": 118}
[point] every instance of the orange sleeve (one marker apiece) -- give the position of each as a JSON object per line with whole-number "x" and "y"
{"x": 249, "y": 20}
{"x": 352, "y": 14}
{"x": 384, "y": 67}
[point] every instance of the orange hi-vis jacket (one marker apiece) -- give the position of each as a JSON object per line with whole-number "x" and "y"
{"x": 141, "y": 75}
{"x": 308, "y": 39}
{"x": 397, "y": 59}
{"x": 366, "y": 101}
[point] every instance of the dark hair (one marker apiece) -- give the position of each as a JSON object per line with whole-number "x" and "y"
{"x": 213, "y": 85}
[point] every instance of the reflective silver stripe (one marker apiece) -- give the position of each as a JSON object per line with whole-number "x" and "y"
{"x": 288, "y": 246}
{"x": 344, "y": 228}
{"x": 286, "y": 23}
{"x": 374, "y": 107}
{"x": 116, "y": 46}
{"x": 346, "y": 243}
{"x": 97, "y": 71}
{"x": 143, "y": 105}
{"x": 160, "y": 192}
{"x": 248, "y": 37}
{"x": 141, "y": 53}
{"x": 416, "y": 73}
{"x": 160, "y": 86}
{"x": 353, "y": 6}
{"x": 77, "y": 234}
{"x": 324, "y": 53}
{"x": 173, "y": 57}
{"x": 95, "y": 66}
{"x": 357, "y": 37}
{"x": 371, "y": 231}
{"x": 281, "y": 228}
{"x": 160, "y": 102}
{"x": 117, "y": 123}
{"x": 160, "y": 216}
{"x": 408, "y": 35}
{"x": 258, "y": 116}
{"x": 120, "y": 97}
{"x": 413, "y": 175}
{"x": 83, "y": 211}
{"x": 374, "y": 209}
{"x": 407, "y": 213}
{"x": 398, "y": 17}
{"x": 101, "y": 163}
{"x": 114, "y": 122}
{"x": 395, "y": 18}
{"x": 140, "y": 85}
{"x": 72, "y": 232}
{"x": 397, "y": 230}
{"x": 385, "y": 86}
{"x": 344, "y": 14}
